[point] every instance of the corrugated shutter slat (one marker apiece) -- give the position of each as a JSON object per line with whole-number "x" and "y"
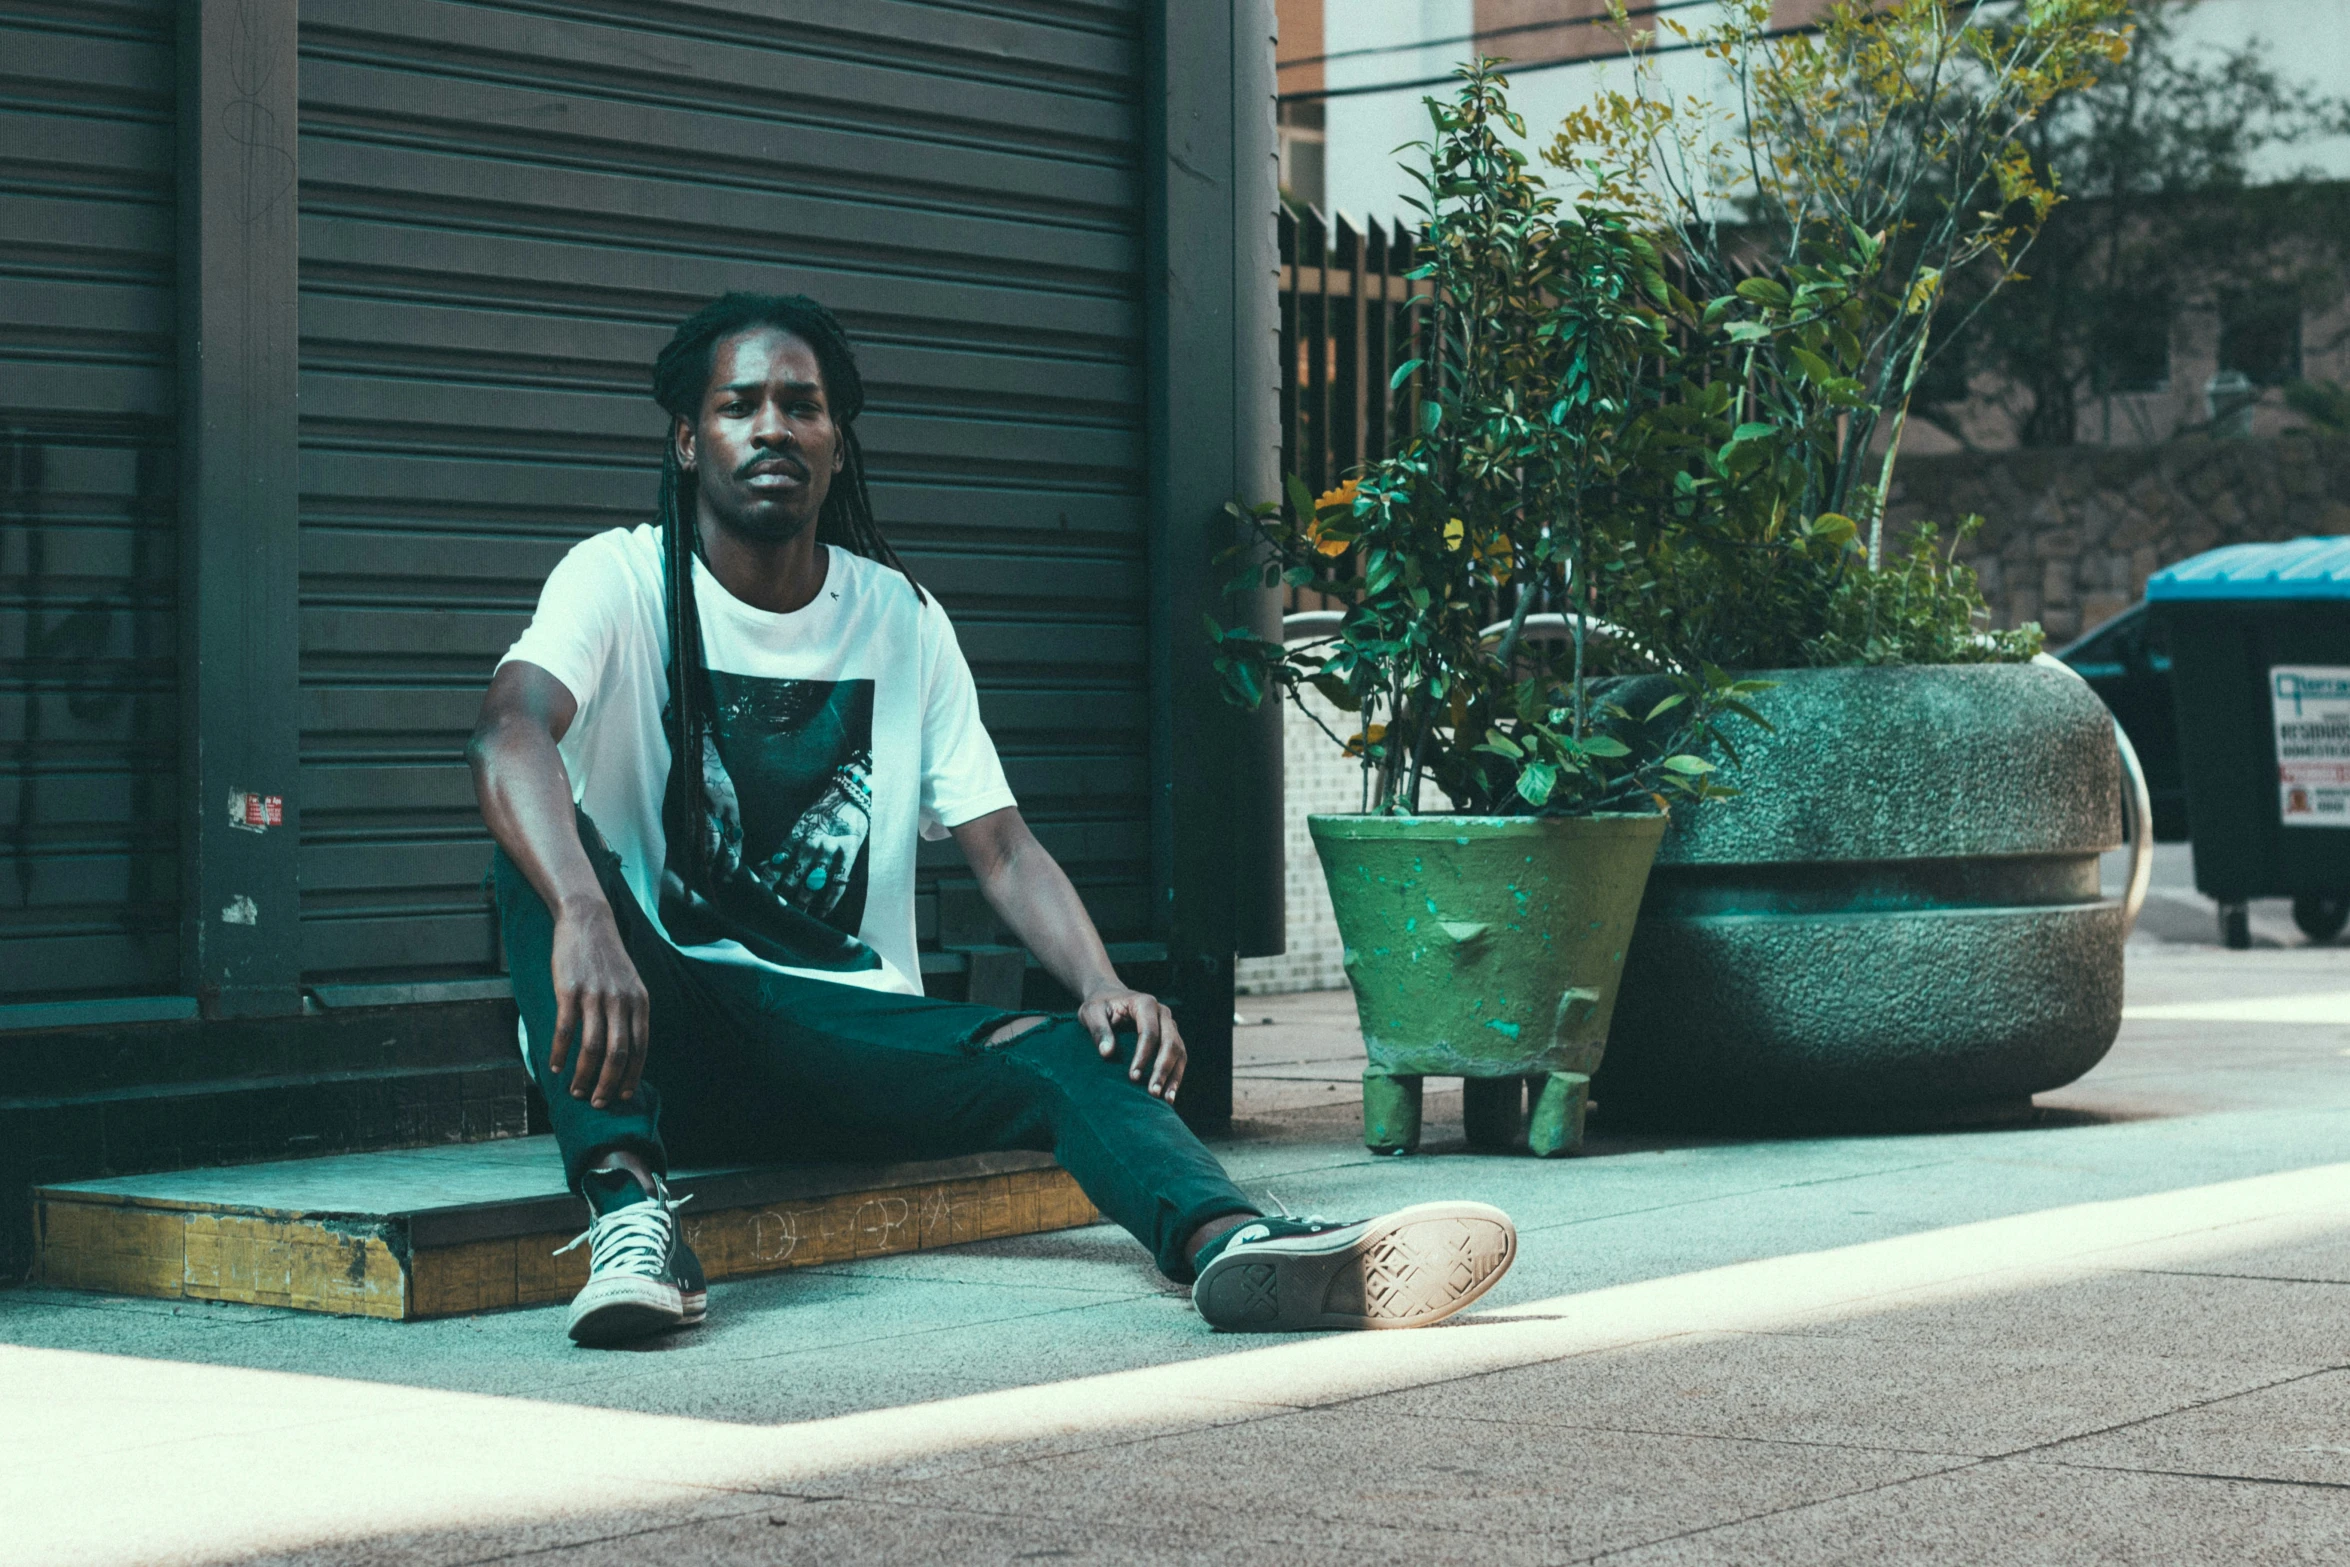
{"x": 88, "y": 573}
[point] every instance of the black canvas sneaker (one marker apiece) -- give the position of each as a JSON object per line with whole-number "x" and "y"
{"x": 1405, "y": 1269}
{"x": 642, "y": 1276}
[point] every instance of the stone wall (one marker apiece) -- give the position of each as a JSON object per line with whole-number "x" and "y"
{"x": 2070, "y": 535}
{"x": 1317, "y": 778}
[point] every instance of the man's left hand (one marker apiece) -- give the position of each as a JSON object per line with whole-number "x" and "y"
{"x": 1158, "y": 1044}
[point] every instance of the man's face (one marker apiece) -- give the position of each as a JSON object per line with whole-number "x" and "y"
{"x": 764, "y": 448}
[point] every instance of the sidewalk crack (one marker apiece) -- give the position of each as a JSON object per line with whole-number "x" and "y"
{"x": 2254, "y": 1278}
{"x": 1776, "y": 1512}
{"x": 2205, "y": 1474}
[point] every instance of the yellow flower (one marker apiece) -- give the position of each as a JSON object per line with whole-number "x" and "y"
{"x": 1370, "y": 736}
{"x": 1453, "y": 533}
{"x": 1344, "y": 495}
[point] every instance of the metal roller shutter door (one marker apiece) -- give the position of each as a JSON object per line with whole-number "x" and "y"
{"x": 504, "y": 209}
{"x": 88, "y": 689}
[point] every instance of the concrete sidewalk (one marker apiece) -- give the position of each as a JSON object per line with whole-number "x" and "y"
{"x": 2119, "y": 1333}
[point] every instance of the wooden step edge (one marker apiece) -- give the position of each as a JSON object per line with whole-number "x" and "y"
{"x": 374, "y": 1266}
{"x": 347, "y": 1267}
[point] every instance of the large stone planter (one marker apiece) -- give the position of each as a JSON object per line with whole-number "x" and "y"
{"x": 1486, "y": 948}
{"x": 1899, "y": 912}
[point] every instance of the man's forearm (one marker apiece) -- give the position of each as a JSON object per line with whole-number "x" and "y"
{"x": 525, "y": 795}
{"x": 525, "y": 792}
{"x": 1034, "y": 897}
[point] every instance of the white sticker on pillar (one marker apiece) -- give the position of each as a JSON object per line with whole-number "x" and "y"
{"x": 241, "y": 910}
{"x": 2310, "y": 707}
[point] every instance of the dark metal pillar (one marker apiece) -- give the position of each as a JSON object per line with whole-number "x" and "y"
{"x": 1212, "y": 325}
{"x": 1261, "y": 822}
{"x": 237, "y": 357}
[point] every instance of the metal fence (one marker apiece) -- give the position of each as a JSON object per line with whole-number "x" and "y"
{"x": 1344, "y": 329}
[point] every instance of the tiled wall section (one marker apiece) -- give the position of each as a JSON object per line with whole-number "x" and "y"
{"x": 1319, "y": 779}
{"x": 2071, "y": 534}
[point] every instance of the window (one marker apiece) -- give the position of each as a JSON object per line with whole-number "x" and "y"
{"x": 2260, "y": 334}
{"x": 1301, "y": 138}
{"x": 2131, "y": 345}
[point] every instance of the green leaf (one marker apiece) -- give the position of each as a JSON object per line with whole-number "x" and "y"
{"x": 1337, "y": 693}
{"x": 1536, "y": 782}
{"x": 1215, "y": 631}
{"x": 1244, "y": 679}
{"x": 1763, "y": 292}
{"x": 1502, "y": 745}
{"x": 1666, "y": 706}
{"x": 1605, "y": 745}
{"x": 1403, "y": 373}
{"x": 1834, "y": 527}
{"x": 1815, "y": 369}
{"x": 1301, "y": 499}
{"x": 1753, "y": 432}
{"x": 1688, "y": 766}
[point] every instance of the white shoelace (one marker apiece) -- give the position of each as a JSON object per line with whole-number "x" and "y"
{"x": 1257, "y": 1230}
{"x": 634, "y": 1239}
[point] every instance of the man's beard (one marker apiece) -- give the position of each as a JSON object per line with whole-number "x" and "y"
{"x": 765, "y": 525}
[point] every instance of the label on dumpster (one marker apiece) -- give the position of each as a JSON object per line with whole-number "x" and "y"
{"x": 2310, "y": 705}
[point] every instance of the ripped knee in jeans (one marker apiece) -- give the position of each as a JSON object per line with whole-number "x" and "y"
{"x": 1004, "y": 1033}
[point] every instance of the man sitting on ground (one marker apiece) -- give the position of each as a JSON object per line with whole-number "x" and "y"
{"x": 706, "y": 765}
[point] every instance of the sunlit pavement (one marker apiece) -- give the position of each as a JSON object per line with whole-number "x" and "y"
{"x": 2119, "y": 1333}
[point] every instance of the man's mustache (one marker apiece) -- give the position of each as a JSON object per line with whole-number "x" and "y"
{"x": 785, "y": 460}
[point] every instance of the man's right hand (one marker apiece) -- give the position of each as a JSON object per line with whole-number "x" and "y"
{"x": 525, "y": 794}
{"x": 600, "y": 1001}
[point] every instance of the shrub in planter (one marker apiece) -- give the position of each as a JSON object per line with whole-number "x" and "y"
{"x": 1487, "y": 943}
{"x": 1901, "y": 908}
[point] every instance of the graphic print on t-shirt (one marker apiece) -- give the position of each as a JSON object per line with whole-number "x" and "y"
{"x": 787, "y": 777}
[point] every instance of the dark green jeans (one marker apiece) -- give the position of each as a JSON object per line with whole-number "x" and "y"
{"x": 749, "y": 1064}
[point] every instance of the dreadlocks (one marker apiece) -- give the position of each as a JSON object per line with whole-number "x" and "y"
{"x": 681, "y": 378}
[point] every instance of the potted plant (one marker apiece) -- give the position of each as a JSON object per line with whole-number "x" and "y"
{"x": 1486, "y": 941}
{"x": 1900, "y": 910}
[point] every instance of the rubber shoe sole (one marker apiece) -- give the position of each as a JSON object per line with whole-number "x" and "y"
{"x": 1406, "y": 1269}
{"x": 616, "y": 1310}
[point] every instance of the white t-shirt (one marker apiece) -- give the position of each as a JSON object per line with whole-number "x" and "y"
{"x": 842, "y": 732}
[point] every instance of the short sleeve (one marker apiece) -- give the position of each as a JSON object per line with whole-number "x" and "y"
{"x": 962, "y": 778}
{"x": 581, "y": 608}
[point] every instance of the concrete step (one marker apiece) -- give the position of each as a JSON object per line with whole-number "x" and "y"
{"x": 436, "y": 1232}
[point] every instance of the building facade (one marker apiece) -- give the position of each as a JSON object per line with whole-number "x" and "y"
{"x": 326, "y": 328}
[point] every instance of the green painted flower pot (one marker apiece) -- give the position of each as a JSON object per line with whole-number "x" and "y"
{"x": 1486, "y": 948}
